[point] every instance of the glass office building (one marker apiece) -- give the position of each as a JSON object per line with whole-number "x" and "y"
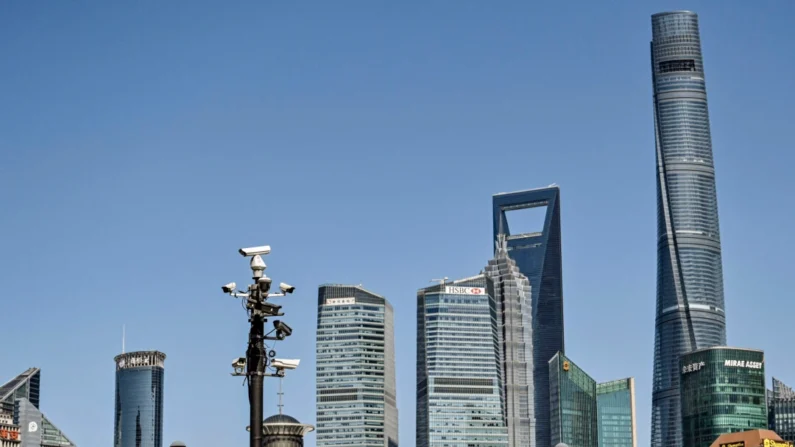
{"x": 781, "y": 410}
{"x": 27, "y": 385}
{"x": 139, "y": 399}
{"x": 19, "y": 405}
{"x": 537, "y": 252}
{"x": 356, "y": 396}
{"x": 572, "y": 397}
{"x": 615, "y": 409}
{"x": 690, "y": 309}
{"x": 514, "y": 309}
{"x": 722, "y": 391}
{"x": 459, "y": 387}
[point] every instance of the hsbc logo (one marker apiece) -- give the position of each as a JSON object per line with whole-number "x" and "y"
{"x": 464, "y": 290}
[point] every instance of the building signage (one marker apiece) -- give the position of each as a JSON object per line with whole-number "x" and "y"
{"x": 692, "y": 367}
{"x": 743, "y": 364}
{"x": 733, "y": 444}
{"x": 338, "y": 301}
{"x": 464, "y": 290}
{"x": 11, "y": 435}
{"x": 137, "y": 361}
{"x": 772, "y": 443}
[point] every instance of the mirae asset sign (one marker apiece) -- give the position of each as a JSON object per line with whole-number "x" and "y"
{"x": 452, "y": 290}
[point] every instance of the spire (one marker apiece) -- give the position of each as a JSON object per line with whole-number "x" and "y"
{"x": 501, "y": 245}
{"x": 281, "y": 395}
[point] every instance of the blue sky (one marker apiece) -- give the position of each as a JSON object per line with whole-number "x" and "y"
{"x": 142, "y": 143}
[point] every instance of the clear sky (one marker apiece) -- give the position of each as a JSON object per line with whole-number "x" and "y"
{"x": 142, "y": 143}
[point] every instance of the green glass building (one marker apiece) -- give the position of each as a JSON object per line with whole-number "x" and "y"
{"x": 572, "y": 401}
{"x": 722, "y": 390}
{"x": 615, "y": 407}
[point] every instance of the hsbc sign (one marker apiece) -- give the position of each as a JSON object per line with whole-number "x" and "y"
{"x": 465, "y": 290}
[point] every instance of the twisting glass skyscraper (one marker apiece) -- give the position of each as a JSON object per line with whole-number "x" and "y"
{"x": 690, "y": 310}
{"x": 514, "y": 309}
{"x": 356, "y": 397}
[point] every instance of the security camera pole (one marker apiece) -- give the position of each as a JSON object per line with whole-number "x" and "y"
{"x": 258, "y": 309}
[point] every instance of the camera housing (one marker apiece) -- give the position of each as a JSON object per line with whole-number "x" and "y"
{"x": 282, "y": 364}
{"x": 254, "y": 251}
{"x": 229, "y": 288}
{"x": 286, "y": 288}
{"x": 271, "y": 309}
{"x": 282, "y": 329}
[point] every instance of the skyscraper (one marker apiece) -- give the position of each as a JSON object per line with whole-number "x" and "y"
{"x": 615, "y": 408}
{"x": 690, "y": 309}
{"x": 573, "y": 415}
{"x": 514, "y": 310}
{"x": 139, "y": 399}
{"x": 19, "y": 408}
{"x": 459, "y": 388}
{"x": 356, "y": 396}
{"x": 27, "y": 385}
{"x": 537, "y": 253}
{"x": 781, "y": 410}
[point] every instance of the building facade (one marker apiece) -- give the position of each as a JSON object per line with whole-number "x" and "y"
{"x": 690, "y": 306}
{"x": 356, "y": 391}
{"x": 515, "y": 316}
{"x": 19, "y": 407}
{"x": 139, "y": 399}
{"x": 459, "y": 384}
{"x": 722, "y": 391}
{"x": 10, "y": 435}
{"x": 572, "y": 396}
{"x": 781, "y": 410}
{"x": 615, "y": 409}
{"x": 538, "y": 256}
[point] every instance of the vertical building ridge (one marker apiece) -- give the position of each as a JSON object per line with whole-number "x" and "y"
{"x": 690, "y": 304}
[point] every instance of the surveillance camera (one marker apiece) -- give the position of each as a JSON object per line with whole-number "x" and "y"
{"x": 282, "y": 329}
{"x": 271, "y": 309}
{"x": 239, "y": 362}
{"x": 285, "y": 363}
{"x": 287, "y": 288}
{"x": 264, "y": 283}
{"x": 253, "y": 251}
{"x": 229, "y": 288}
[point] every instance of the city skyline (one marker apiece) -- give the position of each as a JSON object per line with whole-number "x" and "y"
{"x": 124, "y": 125}
{"x": 690, "y": 305}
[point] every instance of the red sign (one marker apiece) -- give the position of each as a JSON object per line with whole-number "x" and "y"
{"x": 9, "y": 434}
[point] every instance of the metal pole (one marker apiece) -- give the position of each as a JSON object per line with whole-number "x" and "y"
{"x": 256, "y": 370}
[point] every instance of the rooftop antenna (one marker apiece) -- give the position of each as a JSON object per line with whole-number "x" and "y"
{"x": 441, "y": 281}
{"x": 281, "y": 395}
{"x": 123, "y": 337}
